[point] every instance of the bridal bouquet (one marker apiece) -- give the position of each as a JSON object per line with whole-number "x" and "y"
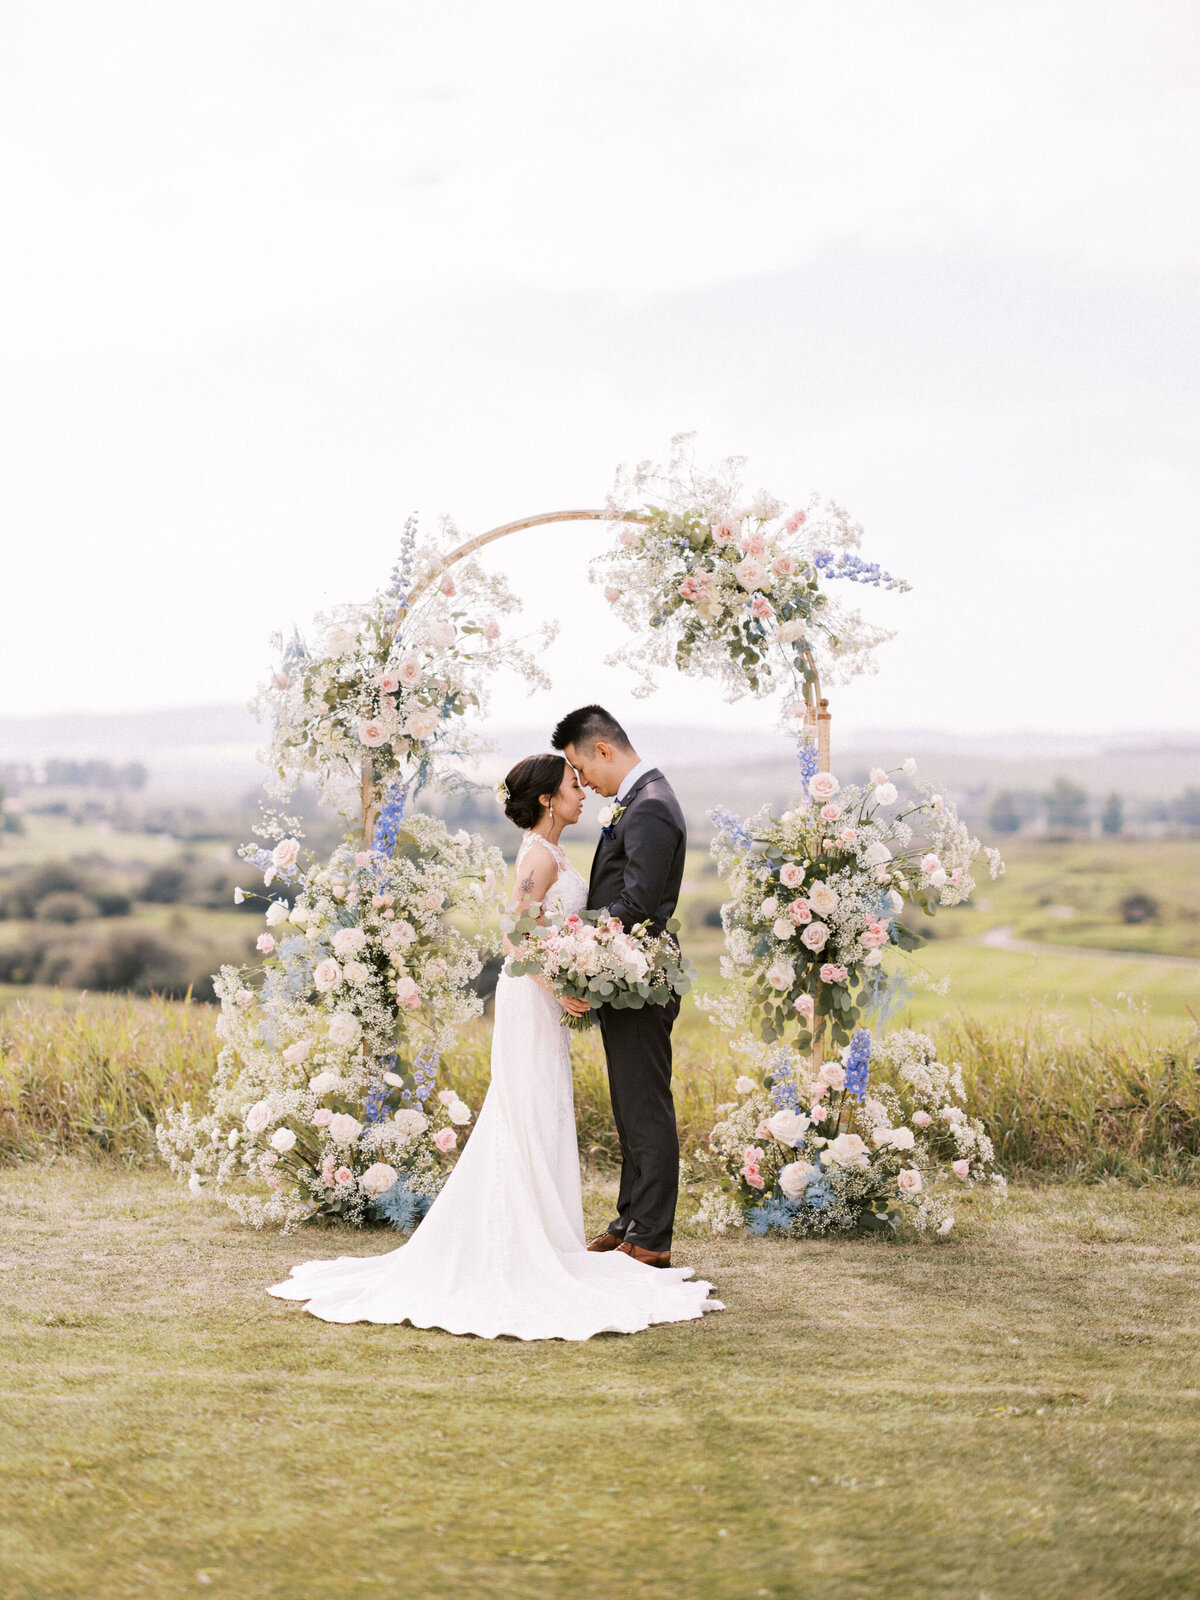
{"x": 589, "y": 956}
{"x": 802, "y": 1154}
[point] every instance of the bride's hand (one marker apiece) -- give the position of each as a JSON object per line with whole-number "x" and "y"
{"x": 576, "y": 1008}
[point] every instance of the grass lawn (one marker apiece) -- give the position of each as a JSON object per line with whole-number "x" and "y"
{"x": 1012, "y": 1413}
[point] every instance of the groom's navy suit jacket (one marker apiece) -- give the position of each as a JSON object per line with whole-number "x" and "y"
{"x": 637, "y": 873}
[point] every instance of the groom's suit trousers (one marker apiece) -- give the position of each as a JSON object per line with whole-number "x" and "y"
{"x": 637, "y": 1048}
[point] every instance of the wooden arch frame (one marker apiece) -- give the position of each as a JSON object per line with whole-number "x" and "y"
{"x": 816, "y": 709}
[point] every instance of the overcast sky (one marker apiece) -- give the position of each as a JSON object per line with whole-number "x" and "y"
{"x": 276, "y": 274}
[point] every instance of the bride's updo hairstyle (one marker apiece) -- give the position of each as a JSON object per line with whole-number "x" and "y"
{"x": 527, "y": 782}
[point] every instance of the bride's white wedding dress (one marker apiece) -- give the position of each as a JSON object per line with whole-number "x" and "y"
{"x": 502, "y": 1249}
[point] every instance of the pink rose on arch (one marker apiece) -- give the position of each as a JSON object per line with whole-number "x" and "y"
{"x": 322, "y": 1117}
{"x": 407, "y": 993}
{"x": 389, "y": 682}
{"x": 795, "y": 522}
{"x": 909, "y": 1180}
{"x": 371, "y": 733}
{"x": 266, "y": 943}
{"x": 491, "y": 630}
{"x": 804, "y": 1005}
{"x": 784, "y": 566}
{"x": 800, "y": 912}
{"x": 445, "y": 1139}
{"x": 878, "y": 775}
{"x": 626, "y": 537}
{"x": 753, "y": 544}
{"x": 362, "y": 858}
{"x": 830, "y": 813}
{"x": 921, "y": 1119}
{"x": 872, "y": 958}
{"x": 818, "y": 1112}
{"x": 761, "y": 608}
{"x": 823, "y": 786}
{"x": 960, "y": 1168}
{"x": 791, "y": 875}
{"x": 815, "y": 936}
{"x": 930, "y": 863}
{"x": 327, "y": 1172}
{"x": 724, "y": 532}
{"x": 447, "y": 587}
{"x": 612, "y": 595}
{"x": 343, "y": 1176}
{"x": 753, "y": 1177}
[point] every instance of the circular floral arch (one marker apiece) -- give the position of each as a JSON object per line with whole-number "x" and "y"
{"x": 324, "y": 1101}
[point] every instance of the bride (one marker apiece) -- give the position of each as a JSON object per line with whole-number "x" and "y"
{"x": 502, "y": 1250}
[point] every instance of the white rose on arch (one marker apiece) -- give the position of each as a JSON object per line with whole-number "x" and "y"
{"x": 822, "y": 898}
{"x": 752, "y": 574}
{"x": 781, "y": 975}
{"x": 796, "y": 1177}
{"x": 823, "y": 786}
{"x": 343, "y": 1128}
{"x": 788, "y": 1127}
{"x": 378, "y": 1179}
{"x": 422, "y": 723}
{"x": 344, "y": 1029}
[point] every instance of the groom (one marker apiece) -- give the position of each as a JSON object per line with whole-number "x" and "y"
{"x": 636, "y": 874}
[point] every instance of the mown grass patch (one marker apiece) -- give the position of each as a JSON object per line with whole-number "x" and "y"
{"x": 1010, "y": 1413}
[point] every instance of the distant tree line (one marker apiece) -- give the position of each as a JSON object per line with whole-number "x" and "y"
{"x": 1066, "y": 808}
{"x": 56, "y": 774}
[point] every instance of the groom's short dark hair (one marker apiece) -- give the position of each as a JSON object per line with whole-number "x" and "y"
{"x": 583, "y": 727}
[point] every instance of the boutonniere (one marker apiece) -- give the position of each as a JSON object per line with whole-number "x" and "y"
{"x": 609, "y": 818}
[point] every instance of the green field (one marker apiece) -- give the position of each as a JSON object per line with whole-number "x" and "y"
{"x": 1011, "y": 1413}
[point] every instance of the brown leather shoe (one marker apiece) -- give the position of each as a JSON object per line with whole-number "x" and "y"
{"x": 605, "y": 1241}
{"x": 650, "y": 1258}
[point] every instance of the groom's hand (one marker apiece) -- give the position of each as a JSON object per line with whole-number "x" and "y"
{"x": 577, "y": 1008}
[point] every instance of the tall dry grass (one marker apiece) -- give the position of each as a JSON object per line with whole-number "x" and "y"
{"x": 1109, "y": 1099}
{"x": 95, "y": 1076}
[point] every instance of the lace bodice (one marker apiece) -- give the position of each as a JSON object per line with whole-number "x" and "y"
{"x": 569, "y": 891}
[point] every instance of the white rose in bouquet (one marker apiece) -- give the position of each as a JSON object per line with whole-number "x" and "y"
{"x": 343, "y": 1128}
{"x": 277, "y": 912}
{"x": 885, "y": 794}
{"x": 822, "y": 786}
{"x": 745, "y": 1085}
{"x": 348, "y": 942}
{"x": 323, "y": 1082}
{"x": 789, "y": 632}
{"x": 795, "y": 1178}
{"x": 876, "y": 854}
{"x": 783, "y": 928}
{"x": 781, "y": 975}
{"x": 296, "y": 1053}
{"x": 909, "y": 1181}
{"x": 410, "y": 1122}
{"x": 459, "y": 1112}
{"x": 769, "y": 908}
{"x": 282, "y": 1140}
{"x": 901, "y": 1138}
{"x": 815, "y": 936}
{"x": 378, "y": 1179}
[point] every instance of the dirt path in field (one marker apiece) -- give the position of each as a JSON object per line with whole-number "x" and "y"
{"x": 1004, "y": 939}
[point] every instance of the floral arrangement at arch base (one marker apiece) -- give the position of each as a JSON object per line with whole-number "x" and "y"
{"x": 800, "y": 1154}
{"x": 815, "y": 900}
{"x": 324, "y": 1101}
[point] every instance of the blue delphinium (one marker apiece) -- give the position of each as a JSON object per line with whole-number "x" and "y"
{"x": 402, "y": 1208}
{"x": 731, "y": 827}
{"x": 855, "y": 570}
{"x": 858, "y": 1059}
{"x": 771, "y": 1213}
{"x": 784, "y": 1092}
{"x": 806, "y": 755}
{"x": 401, "y": 578}
{"x": 391, "y": 815}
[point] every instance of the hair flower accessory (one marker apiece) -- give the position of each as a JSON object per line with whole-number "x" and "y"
{"x": 502, "y": 792}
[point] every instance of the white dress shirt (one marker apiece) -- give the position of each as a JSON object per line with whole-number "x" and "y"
{"x": 631, "y": 777}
